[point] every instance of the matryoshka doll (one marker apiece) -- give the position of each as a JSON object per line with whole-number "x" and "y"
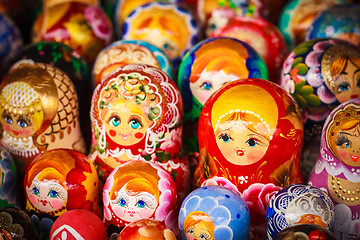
{"x": 56, "y": 181}
{"x": 168, "y": 26}
{"x": 204, "y": 69}
{"x": 214, "y": 212}
{"x": 15, "y": 224}
{"x": 299, "y": 204}
{"x": 337, "y": 170}
{"x": 136, "y": 114}
{"x": 8, "y": 180}
{"x": 248, "y": 122}
{"x": 124, "y": 52}
{"x": 297, "y": 16}
{"x": 139, "y": 190}
{"x": 39, "y": 112}
{"x": 146, "y": 229}
{"x": 340, "y": 21}
{"x": 305, "y": 232}
{"x": 83, "y": 26}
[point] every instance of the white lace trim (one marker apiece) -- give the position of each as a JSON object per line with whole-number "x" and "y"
{"x": 24, "y": 147}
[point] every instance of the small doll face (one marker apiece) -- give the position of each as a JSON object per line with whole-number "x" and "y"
{"x": 198, "y": 231}
{"x": 347, "y": 83}
{"x": 46, "y": 195}
{"x": 19, "y": 126}
{"x": 125, "y": 126}
{"x": 133, "y": 207}
{"x": 208, "y": 83}
{"x": 240, "y": 145}
{"x": 347, "y": 146}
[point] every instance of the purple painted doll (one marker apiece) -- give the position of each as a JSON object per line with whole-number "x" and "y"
{"x": 337, "y": 170}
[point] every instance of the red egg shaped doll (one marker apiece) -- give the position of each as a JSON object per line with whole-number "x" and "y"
{"x": 78, "y": 224}
{"x": 250, "y": 131}
{"x": 136, "y": 114}
{"x": 139, "y": 190}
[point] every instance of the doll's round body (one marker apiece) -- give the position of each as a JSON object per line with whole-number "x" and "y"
{"x": 15, "y": 224}
{"x": 85, "y": 27}
{"x": 299, "y": 204}
{"x": 319, "y": 74}
{"x": 124, "y": 52}
{"x": 8, "y": 180}
{"x": 168, "y": 26}
{"x": 214, "y": 212}
{"x": 146, "y": 229}
{"x": 262, "y": 36}
{"x": 205, "y": 68}
{"x": 297, "y": 16}
{"x": 39, "y": 112}
{"x": 305, "y": 232}
{"x": 340, "y": 21}
{"x": 78, "y": 224}
{"x": 136, "y": 114}
{"x": 139, "y": 190}
{"x": 337, "y": 168}
{"x": 247, "y": 123}
{"x": 11, "y": 42}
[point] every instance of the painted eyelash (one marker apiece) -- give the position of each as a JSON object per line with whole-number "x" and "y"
{"x": 147, "y": 200}
{"x": 24, "y": 119}
{"x": 135, "y": 118}
{"x": 58, "y": 190}
{"x": 117, "y": 199}
{"x": 111, "y": 117}
{"x": 341, "y": 139}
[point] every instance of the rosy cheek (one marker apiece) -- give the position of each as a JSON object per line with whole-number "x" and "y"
{"x": 189, "y": 236}
{"x": 7, "y": 127}
{"x": 32, "y": 199}
{"x": 112, "y": 133}
{"x": 56, "y": 204}
{"x": 119, "y": 211}
{"x": 145, "y": 213}
{"x": 343, "y": 155}
{"x": 25, "y": 132}
{"x": 139, "y": 135}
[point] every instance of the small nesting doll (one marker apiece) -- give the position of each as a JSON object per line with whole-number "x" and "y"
{"x": 124, "y": 52}
{"x": 299, "y": 204}
{"x": 39, "y": 112}
{"x": 214, "y": 212}
{"x": 337, "y": 170}
{"x": 204, "y": 69}
{"x": 340, "y": 21}
{"x": 78, "y": 224}
{"x": 11, "y": 42}
{"x": 146, "y": 229}
{"x": 56, "y": 181}
{"x": 136, "y": 114}
{"x": 8, "y": 180}
{"x": 139, "y": 190}
{"x": 305, "y": 232}
{"x": 83, "y": 26}
{"x": 168, "y": 26}
{"x": 297, "y": 16}
{"x": 263, "y": 36}
{"x": 15, "y": 224}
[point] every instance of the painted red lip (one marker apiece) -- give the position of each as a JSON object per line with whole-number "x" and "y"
{"x": 354, "y": 96}
{"x": 240, "y": 153}
{"x": 15, "y": 132}
{"x": 354, "y": 158}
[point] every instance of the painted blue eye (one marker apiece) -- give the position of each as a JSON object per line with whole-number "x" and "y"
{"x": 225, "y": 137}
{"x": 115, "y": 121}
{"x": 22, "y": 124}
{"x": 344, "y": 86}
{"x": 347, "y": 144}
{"x": 251, "y": 142}
{"x": 35, "y": 191}
{"x": 122, "y": 202}
{"x": 141, "y": 204}
{"x": 134, "y": 124}
{"x": 8, "y": 120}
{"x": 207, "y": 86}
{"x": 53, "y": 194}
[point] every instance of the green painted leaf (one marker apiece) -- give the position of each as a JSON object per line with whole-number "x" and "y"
{"x": 313, "y": 100}
{"x": 301, "y": 101}
{"x": 306, "y": 90}
{"x": 302, "y": 68}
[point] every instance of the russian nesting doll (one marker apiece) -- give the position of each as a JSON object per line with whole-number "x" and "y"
{"x": 337, "y": 170}
{"x": 8, "y": 180}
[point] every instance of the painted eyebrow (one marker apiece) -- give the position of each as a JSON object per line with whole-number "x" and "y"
{"x": 345, "y": 133}
{"x": 357, "y": 70}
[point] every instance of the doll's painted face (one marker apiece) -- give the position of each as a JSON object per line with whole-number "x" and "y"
{"x": 197, "y": 231}
{"x": 199, "y": 225}
{"x": 46, "y": 195}
{"x": 208, "y": 83}
{"x": 240, "y": 145}
{"x": 347, "y": 82}
{"x": 347, "y": 146}
{"x": 127, "y": 124}
{"x": 19, "y": 126}
{"x": 130, "y": 207}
